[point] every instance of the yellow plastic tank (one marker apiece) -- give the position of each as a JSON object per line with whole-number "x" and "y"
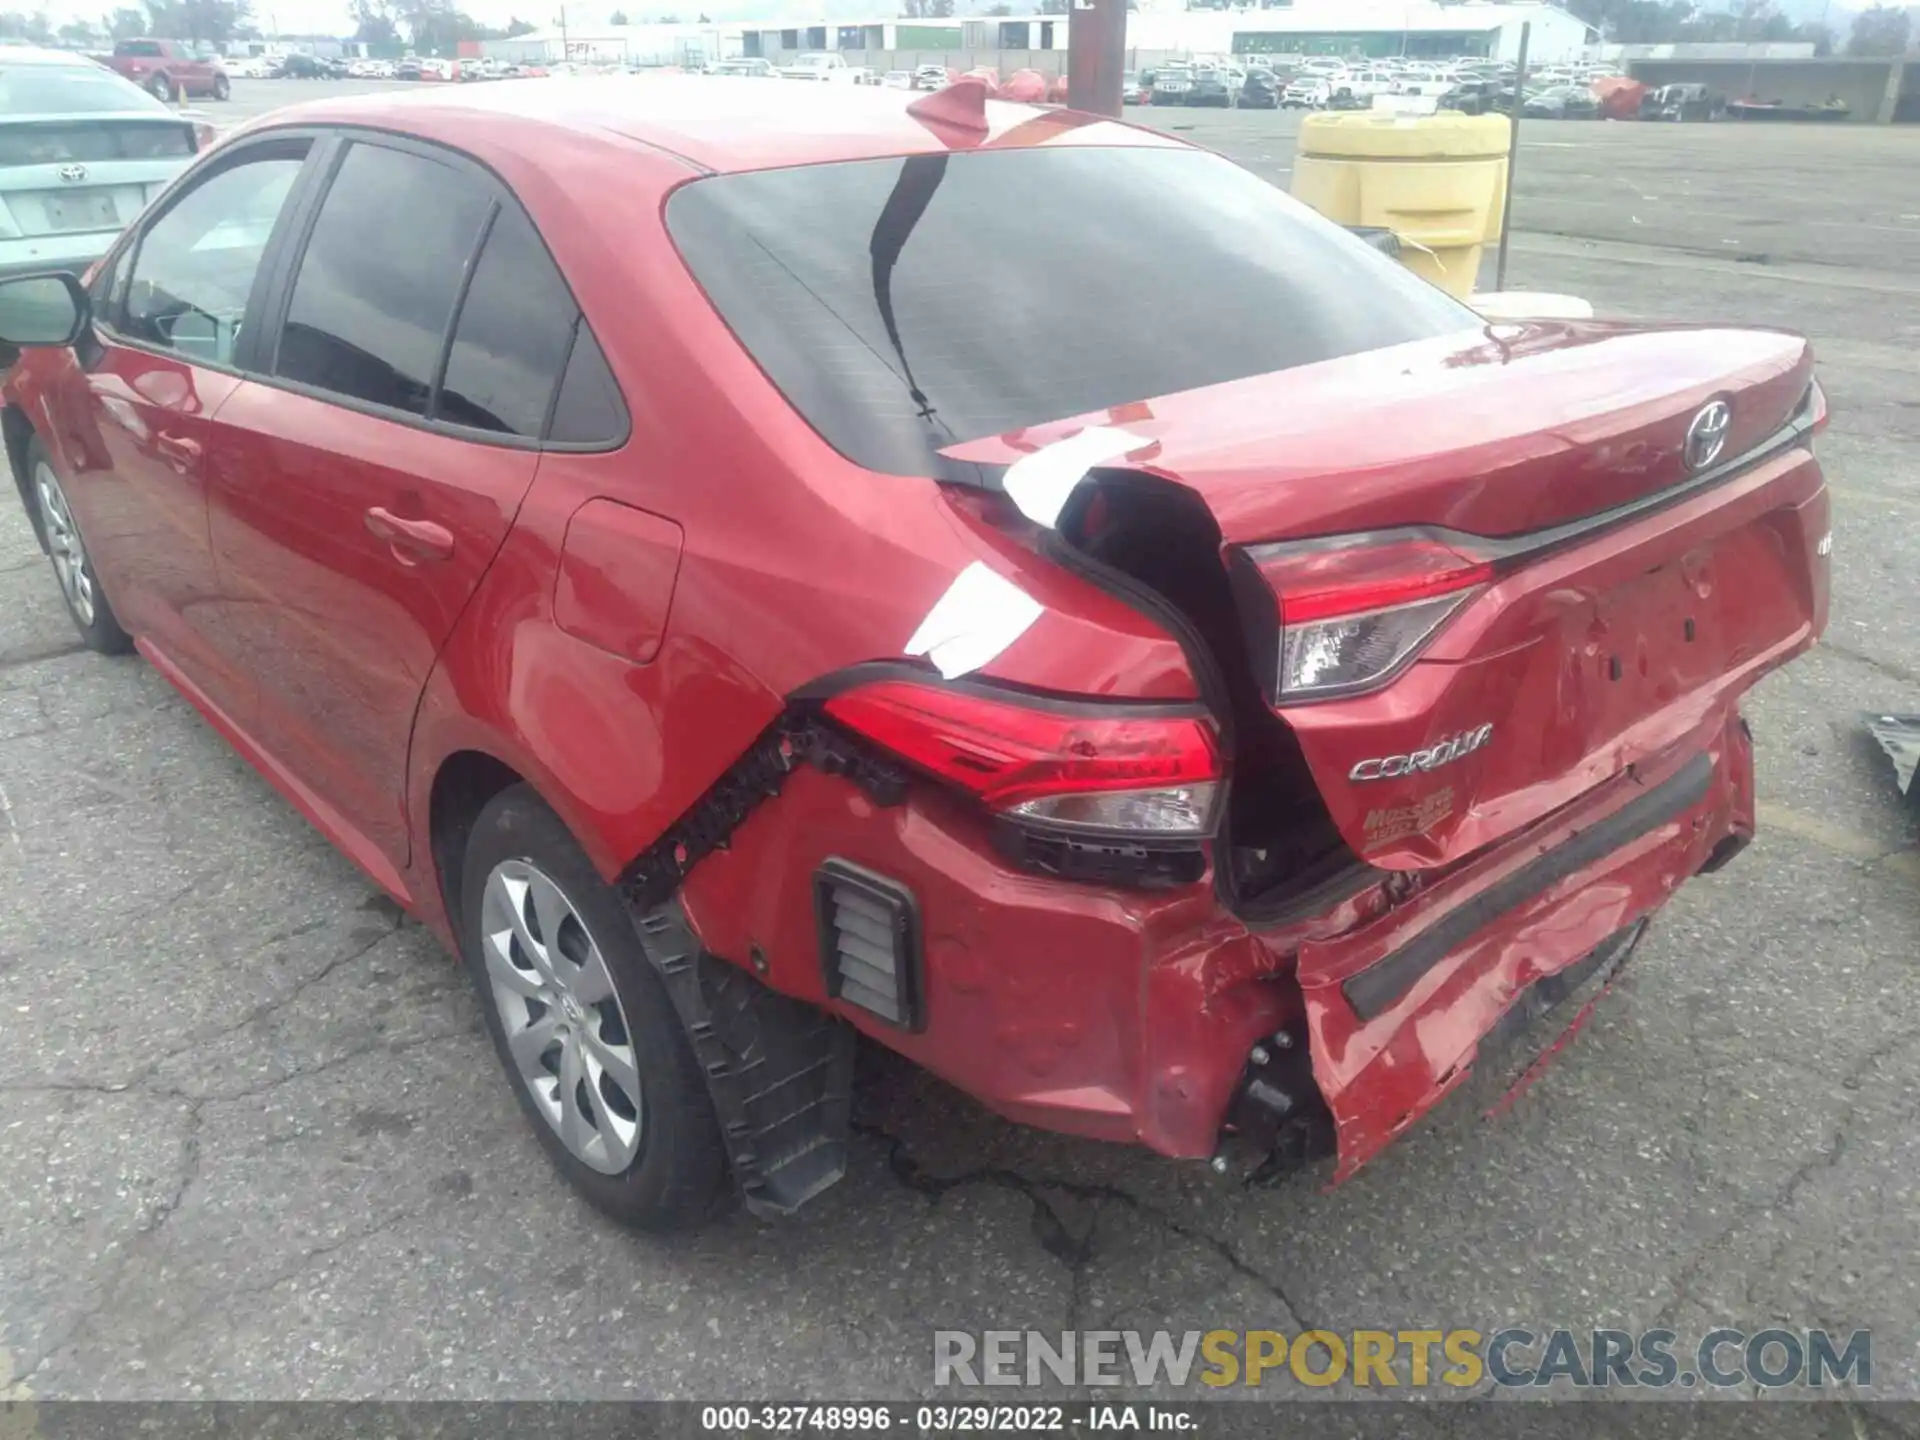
{"x": 1437, "y": 181}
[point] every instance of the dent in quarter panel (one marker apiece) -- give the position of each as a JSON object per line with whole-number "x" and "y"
{"x": 617, "y": 571}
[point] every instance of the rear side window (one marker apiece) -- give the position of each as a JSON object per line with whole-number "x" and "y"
{"x": 904, "y": 305}
{"x": 588, "y": 410}
{"x": 511, "y": 341}
{"x": 137, "y": 47}
{"x": 380, "y": 277}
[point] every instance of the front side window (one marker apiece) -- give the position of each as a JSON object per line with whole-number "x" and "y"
{"x": 906, "y": 305}
{"x": 195, "y": 265}
{"x": 380, "y": 277}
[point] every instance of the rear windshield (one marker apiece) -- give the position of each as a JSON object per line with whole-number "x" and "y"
{"x": 68, "y": 90}
{"x": 905, "y": 305}
{"x": 90, "y": 140}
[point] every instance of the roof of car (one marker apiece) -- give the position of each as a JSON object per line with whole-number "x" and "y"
{"x": 39, "y": 55}
{"x": 713, "y": 123}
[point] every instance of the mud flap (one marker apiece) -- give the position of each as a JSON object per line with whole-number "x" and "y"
{"x": 780, "y": 1071}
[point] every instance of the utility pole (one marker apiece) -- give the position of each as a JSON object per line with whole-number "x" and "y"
{"x": 1513, "y": 154}
{"x": 565, "y": 52}
{"x": 1096, "y": 55}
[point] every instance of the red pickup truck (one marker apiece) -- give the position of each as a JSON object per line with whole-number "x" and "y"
{"x": 170, "y": 69}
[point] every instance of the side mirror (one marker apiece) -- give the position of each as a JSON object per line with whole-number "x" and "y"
{"x": 48, "y": 309}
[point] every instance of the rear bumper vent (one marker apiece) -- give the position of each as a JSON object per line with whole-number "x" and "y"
{"x": 869, "y": 942}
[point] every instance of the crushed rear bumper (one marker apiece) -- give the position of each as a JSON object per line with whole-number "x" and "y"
{"x": 1130, "y": 1015}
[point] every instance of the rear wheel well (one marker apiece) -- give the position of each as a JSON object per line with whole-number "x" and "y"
{"x": 466, "y": 781}
{"x": 17, "y": 432}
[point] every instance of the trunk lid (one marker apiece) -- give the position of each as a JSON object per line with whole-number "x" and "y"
{"x": 1628, "y": 592}
{"x": 70, "y": 174}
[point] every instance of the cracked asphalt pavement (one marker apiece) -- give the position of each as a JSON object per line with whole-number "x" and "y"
{"x": 254, "y": 1144}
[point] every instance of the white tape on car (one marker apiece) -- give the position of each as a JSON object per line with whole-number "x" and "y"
{"x": 1041, "y": 482}
{"x": 981, "y": 614}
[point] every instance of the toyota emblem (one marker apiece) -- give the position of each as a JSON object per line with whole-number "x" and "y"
{"x": 71, "y": 173}
{"x": 1707, "y": 435}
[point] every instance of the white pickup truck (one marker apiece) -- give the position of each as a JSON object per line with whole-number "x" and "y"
{"x": 820, "y": 65}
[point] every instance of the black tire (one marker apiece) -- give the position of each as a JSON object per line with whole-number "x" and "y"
{"x": 161, "y": 88}
{"x": 222, "y": 88}
{"x": 99, "y": 630}
{"x": 680, "y": 1167}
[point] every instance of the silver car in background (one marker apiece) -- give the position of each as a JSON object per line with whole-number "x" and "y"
{"x": 81, "y": 152}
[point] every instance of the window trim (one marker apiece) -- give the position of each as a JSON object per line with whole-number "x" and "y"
{"x": 445, "y": 358}
{"x": 105, "y": 321}
{"x": 278, "y": 300}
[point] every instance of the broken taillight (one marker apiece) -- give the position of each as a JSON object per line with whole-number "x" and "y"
{"x": 1078, "y": 766}
{"x": 1353, "y": 612}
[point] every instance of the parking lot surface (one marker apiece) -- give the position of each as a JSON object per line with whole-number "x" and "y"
{"x": 253, "y": 1142}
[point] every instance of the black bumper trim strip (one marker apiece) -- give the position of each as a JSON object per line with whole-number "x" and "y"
{"x": 1373, "y": 990}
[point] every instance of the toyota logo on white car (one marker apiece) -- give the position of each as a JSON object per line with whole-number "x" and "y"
{"x": 1443, "y": 752}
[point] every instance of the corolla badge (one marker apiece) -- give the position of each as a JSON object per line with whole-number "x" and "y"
{"x": 1441, "y": 752}
{"x": 1707, "y": 435}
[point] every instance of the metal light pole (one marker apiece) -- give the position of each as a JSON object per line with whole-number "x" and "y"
{"x": 1513, "y": 154}
{"x": 1096, "y": 55}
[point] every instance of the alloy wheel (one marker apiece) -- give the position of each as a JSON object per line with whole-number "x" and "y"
{"x": 70, "y": 562}
{"x": 565, "y": 1030}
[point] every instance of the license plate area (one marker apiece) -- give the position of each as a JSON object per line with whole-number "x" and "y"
{"x": 86, "y": 210}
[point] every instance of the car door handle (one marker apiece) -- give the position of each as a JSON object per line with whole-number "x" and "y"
{"x": 178, "y": 451}
{"x": 412, "y": 540}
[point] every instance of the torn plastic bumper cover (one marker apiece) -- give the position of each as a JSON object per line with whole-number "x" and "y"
{"x": 1899, "y": 736}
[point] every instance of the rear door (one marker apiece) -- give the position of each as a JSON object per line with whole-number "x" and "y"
{"x": 362, "y": 485}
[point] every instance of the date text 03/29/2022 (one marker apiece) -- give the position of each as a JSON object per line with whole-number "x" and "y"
{"x": 940, "y": 1419}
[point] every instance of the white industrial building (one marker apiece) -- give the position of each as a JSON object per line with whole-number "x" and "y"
{"x": 1352, "y": 28}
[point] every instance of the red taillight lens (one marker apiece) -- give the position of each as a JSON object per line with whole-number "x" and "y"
{"x": 1067, "y": 766}
{"x": 1352, "y": 613}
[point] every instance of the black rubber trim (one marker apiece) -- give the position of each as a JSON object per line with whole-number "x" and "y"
{"x": 1372, "y": 991}
{"x": 1006, "y": 692}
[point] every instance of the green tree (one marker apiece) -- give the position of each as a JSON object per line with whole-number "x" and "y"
{"x": 211, "y": 21}
{"x": 373, "y": 22}
{"x": 126, "y": 24}
{"x": 36, "y": 27}
{"x": 77, "y": 33}
{"x": 619, "y": 17}
{"x": 1883, "y": 30}
{"x": 517, "y": 26}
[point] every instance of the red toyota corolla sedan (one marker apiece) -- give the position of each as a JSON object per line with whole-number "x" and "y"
{"x": 748, "y": 565}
